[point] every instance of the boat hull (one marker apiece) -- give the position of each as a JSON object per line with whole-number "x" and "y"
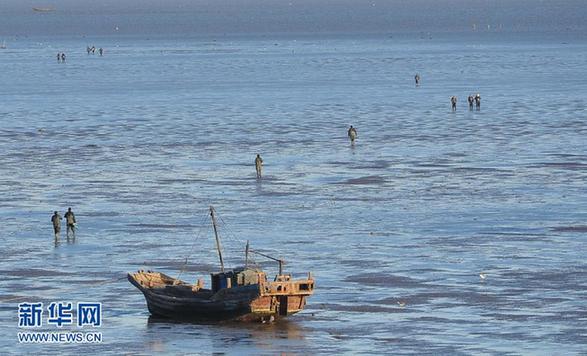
{"x": 176, "y": 302}
{"x": 172, "y": 298}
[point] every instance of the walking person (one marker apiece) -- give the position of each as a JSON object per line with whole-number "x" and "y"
{"x": 470, "y": 99}
{"x": 259, "y": 166}
{"x": 63, "y": 57}
{"x": 58, "y": 57}
{"x": 417, "y": 79}
{"x": 478, "y": 102}
{"x": 70, "y": 220}
{"x": 56, "y": 220}
{"x": 352, "y": 134}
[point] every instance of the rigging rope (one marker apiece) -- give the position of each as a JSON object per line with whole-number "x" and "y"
{"x": 225, "y": 226}
{"x": 198, "y": 233}
{"x": 241, "y": 242}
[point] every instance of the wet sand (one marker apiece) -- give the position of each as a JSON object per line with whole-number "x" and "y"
{"x": 396, "y": 229}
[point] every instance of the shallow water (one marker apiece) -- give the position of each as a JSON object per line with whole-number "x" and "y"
{"x": 396, "y": 229}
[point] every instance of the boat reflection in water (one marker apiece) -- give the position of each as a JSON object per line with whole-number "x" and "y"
{"x": 243, "y": 294}
{"x": 168, "y": 335}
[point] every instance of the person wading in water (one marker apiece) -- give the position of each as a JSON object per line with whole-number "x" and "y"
{"x": 259, "y": 166}
{"x": 453, "y": 103}
{"x": 70, "y": 220}
{"x": 56, "y": 220}
{"x": 352, "y": 134}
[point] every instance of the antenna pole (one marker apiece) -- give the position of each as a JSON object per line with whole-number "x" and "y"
{"x": 218, "y": 247}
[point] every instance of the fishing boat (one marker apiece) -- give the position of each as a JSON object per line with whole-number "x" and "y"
{"x": 243, "y": 294}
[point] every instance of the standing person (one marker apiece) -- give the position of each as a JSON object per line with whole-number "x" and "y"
{"x": 56, "y": 220}
{"x": 101, "y": 51}
{"x": 417, "y": 79}
{"x": 259, "y": 166}
{"x": 478, "y": 101}
{"x": 58, "y": 57}
{"x": 453, "y": 103}
{"x": 70, "y": 220}
{"x": 63, "y": 57}
{"x": 352, "y": 134}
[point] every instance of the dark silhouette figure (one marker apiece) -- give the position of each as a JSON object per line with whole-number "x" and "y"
{"x": 70, "y": 220}
{"x": 58, "y": 57}
{"x": 352, "y": 134}
{"x": 259, "y": 166}
{"x": 101, "y": 51}
{"x": 417, "y": 79}
{"x": 63, "y": 57}
{"x": 453, "y": 102}
{"x": 478, "y": 101}
{"x": 470, "y": 99}
{"x": 56, "y": 220}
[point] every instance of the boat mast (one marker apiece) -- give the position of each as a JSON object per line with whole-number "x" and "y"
{"x": 217, "y": 238}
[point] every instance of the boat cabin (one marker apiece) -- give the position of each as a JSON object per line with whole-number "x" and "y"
{"x": 236, "y": 278}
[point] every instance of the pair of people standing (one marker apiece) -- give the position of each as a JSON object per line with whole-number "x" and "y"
{"x": 61, "y": 57}
{"x": 474, "y": 99}
{"x": 69, "y": 219}
{"x": 92, "y": 50}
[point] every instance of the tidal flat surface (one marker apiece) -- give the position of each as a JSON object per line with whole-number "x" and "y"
{"x": 396, "y": 229}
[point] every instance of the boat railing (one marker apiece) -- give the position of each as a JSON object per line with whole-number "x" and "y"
{"x": 288, "y": 287}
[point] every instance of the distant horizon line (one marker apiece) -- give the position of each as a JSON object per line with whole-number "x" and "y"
{"x": 424, "y": 35}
